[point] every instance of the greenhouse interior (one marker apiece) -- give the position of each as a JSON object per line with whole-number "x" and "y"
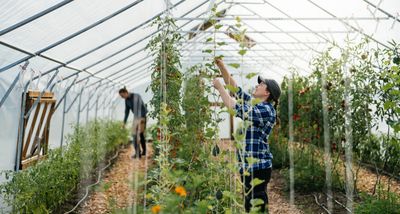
{"x": 196, "y": 106}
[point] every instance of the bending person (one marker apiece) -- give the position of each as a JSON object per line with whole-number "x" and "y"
{"x": 134, "y": 103}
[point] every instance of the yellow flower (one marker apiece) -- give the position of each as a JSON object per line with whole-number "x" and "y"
{"x": 155, "y": 209}
{"x": 180, "y": 190}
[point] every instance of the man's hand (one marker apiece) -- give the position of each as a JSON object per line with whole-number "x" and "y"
{"x": 217, "y": 84}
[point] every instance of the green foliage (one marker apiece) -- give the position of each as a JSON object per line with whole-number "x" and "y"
{"x": 166, "y": 78}
{"x": 45, "y": 186}
{"x": 195, "y": 102}
{"x": 373, "y": 92}
{"x": 278, "y": 146}
{"x": 388, "y": 105}
{"x": 309, "y": 173}
{"x": 383, "y": 202}
{"x": 197, "y": 112}
{"x": 309, "y": 170}
{"x": 205, "y": 178}
{"x": 307, "y": 110}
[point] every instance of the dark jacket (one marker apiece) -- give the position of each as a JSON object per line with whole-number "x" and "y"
{"x": 135, "y": 104}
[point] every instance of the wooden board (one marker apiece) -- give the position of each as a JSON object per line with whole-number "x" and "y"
{"x": 35, "y": 137}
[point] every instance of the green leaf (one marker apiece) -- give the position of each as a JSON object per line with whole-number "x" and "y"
{"x": 231, "y": 111}
{"x": 395, "y": 68}
{"x": 209, "y": 132}
{"x": 218, "y": 26}
{"x": 242, "y": 52}
{"x": 396, "y": 127}
{"x": 219, "y": 57}
{"x": 256, "y": 201}
{"x": 238, "y": 19}
{"x": 251, "y": 161}
{"x": 238, "y": 137}
{"x": 238, "y": 25}
{"x": 232, "y": 88}
{"x": 389, "y": 104}
{"x": 250, "y": 75}
{"x": 231, "y": 166}
{"x": 207, "y": 51}
{"x": 255, "y": 101}
{"x": 228, "y": 211}
{"x": 212, "y": 21}
{"x": 394, "y": 92}
{"x": 238, "y": 145}
{"x": 234, "y": 65}
{"x": 221, "y": 43}
{"x": 387, "y": 86}
{"x": 209, "y": 39}
{"x": 228, "y": 194}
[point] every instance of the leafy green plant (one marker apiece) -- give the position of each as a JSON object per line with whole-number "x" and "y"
{"x": 202, "y": 176}
{"x": 44, "y": 187}
{"x": 166, "y": 78}
{"x": 279, "y": 148}
{"x": 383, "y": 202}
{"x": 309, "y": 169}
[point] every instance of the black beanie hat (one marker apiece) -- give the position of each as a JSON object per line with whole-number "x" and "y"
{"x": 272, "y": 86}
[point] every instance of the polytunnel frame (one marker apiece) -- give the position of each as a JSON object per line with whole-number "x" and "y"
{"x": 135, "y": 75}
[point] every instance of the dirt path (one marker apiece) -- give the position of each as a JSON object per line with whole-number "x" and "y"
{"x": 115, "y": 190}
{"x": 366, "y": 178}
{"x": 278, "y": 202}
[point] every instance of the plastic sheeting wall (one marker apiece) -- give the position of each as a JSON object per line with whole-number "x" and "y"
{"x": 10, "y": 112}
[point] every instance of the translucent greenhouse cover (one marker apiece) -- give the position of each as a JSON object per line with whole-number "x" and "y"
{"x": 99, "y": 46}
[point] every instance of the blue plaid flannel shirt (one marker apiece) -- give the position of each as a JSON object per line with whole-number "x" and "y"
{"x": 262, "y": 116}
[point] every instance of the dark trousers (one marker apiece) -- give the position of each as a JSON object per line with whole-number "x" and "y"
{"x": 142, "y": 143}
{"x": 259, "y": 191}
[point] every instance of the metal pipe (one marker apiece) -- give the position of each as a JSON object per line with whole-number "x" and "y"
{"x": 280, "y": 29}
{"x": 79, "y": 107}
{"x": 34, "y": 17}
{"x": 178, "y": 28}
{"x": 40, "y": 95}
{"x": 62, "y": 64}
{"x": 13, "y": 84}
{"x": 381, "y": 10}
{"x": 63, "y": 121}
{"x": 103, "y": 45}
{"x": 21, "y": 132}
{"x": 66, "y": 92}
{"x": 264, "y": 43}
{"x": 270, "y": 32}
{"x": 97, "y": 106}
{"x": 301, "y": 42}
{"x": 349, "y": 25}
{"x": 250, "y": 50}
{"x": 121, "y": 70}
{"x": 113, "y": 64}
{"x": 76, "y": 33}
{"x": 281, "y": 18}
{"x": 73, "y": 101}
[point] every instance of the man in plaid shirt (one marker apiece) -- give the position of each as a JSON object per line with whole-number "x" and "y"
{"x": 255, "y": 157}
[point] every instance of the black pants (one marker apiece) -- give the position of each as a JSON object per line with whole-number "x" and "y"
{"x": 142, "y": 142}
{"x": 258, "y": 191}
